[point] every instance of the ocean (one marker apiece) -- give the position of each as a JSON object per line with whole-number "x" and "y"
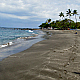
{"x": 13, "y": 40}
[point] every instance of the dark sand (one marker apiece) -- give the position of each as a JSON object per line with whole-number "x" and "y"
{"x": 57, "y": 58}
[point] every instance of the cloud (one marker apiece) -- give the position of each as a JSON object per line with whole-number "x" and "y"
{"x": 13, "y": 16}
{"x": 36, "y": 10}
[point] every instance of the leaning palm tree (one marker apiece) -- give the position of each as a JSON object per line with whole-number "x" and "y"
{"x": 61, "y": 15}
{"x": 68, "y": 13}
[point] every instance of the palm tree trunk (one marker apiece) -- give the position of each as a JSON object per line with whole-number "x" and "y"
{"x": 76, "y": 18}
{"x": 76, "y": 21}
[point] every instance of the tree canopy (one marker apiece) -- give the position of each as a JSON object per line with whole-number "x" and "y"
{"x": 61, "y": 15}
{"x": 64, "y": 23}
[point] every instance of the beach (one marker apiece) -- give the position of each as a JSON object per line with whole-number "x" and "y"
{"x": 56, "y": 58}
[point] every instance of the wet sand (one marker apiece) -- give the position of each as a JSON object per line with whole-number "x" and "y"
{"x": 56, "y": 58}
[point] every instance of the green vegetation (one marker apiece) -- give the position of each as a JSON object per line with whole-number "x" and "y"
{"x": 63, "y": 23}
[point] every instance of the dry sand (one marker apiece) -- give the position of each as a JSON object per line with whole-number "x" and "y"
{"x": 57, "y": 58}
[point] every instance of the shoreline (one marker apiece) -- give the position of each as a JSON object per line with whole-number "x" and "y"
{"x": 55, "y": 58}
{"x": 20, "y": 44}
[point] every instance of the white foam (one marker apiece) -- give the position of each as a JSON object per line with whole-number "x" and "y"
{"x": 30, "y": 31}
{"x": 4, "y": 45}
{"x": 30, "y": 37}
{"x": 10, "y": 43}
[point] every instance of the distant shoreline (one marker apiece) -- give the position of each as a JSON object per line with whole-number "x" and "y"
{"x": 22, "y": 28}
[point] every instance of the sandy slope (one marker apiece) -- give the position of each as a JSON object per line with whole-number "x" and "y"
{"x": 57, "y": 58}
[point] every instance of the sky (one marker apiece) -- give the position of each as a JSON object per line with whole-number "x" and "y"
{"x": 32, "y": 13}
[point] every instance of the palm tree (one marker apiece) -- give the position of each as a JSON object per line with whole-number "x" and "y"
{"x": 61, "y": 15}
{"x": 75, "y": 13}
{"x": 68, "y": 13}
{"x": 79, "y": 17}
{"x": 48, "y": 20}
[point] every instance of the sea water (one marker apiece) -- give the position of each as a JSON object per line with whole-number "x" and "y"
{"x": 16, "y": 40}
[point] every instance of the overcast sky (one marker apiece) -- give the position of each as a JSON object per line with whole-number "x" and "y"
{"x": 31, "y": 13}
